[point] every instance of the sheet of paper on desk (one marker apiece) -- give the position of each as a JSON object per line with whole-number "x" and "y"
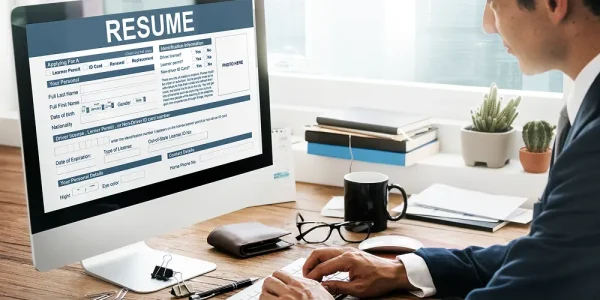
{"x": 520, "y": 215}
{"x": 468, "y": 202}
{"x": 434, "y": 212}
{"x": 334, "y": 208}
{"x": 283, "y": 165}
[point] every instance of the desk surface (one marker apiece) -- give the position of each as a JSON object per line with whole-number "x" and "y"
{"x": 19, "y": 279}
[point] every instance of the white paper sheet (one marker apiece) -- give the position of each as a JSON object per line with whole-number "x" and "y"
{"x": 473, "y": 203}
{"x": 520, "y": 215}
{"x": 434, "y": 212}
{"x": 283, "y": 169}
{"x": 334, "y": 208}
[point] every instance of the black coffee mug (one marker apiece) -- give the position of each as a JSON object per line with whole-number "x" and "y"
{"x": 366, "y": 199}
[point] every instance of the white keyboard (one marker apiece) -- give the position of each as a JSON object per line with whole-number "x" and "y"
{"x": 253, "y": 292}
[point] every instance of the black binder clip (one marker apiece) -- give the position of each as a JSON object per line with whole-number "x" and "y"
{"x": 163, "y": 273}
{"x": 181, "y": 289}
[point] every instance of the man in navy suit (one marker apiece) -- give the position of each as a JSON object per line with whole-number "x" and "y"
{"x": 560, "y": 257}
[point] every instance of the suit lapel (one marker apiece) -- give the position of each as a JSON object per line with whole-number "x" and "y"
{"x": 589, "y": 111}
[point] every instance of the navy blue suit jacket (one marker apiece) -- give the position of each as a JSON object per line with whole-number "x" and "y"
{"x": 560, "y": 257}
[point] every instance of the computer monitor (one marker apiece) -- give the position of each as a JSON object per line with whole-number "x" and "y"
{"x": 136, "y": 122}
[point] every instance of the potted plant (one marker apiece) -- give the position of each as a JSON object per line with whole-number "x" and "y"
{"x": 536, "y": 155}
{"x": 490, "y": 139}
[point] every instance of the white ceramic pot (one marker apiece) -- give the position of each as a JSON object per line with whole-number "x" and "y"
{"x": 492, "y": 149}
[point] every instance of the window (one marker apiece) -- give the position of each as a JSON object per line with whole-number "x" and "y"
{"x": 427, "y": 41}
{"x": 7, "y": 78}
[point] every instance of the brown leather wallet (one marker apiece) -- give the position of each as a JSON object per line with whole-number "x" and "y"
{"x": 248, "y": 239}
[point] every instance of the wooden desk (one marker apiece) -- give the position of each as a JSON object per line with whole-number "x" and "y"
{"x": 19, "y": 279}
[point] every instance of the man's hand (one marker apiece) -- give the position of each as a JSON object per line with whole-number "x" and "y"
{"x": 370, "y": 276}
{"x": 283, "y": 286}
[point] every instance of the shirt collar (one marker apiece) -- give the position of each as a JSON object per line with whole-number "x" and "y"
{"x": 581, "y": 86}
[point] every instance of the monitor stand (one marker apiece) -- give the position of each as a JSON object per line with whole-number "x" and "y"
{"x": 131, "y": 267}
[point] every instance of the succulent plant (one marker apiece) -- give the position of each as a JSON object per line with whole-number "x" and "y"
{"x": 538, "y": 135}
{"x": 490, "y": 117}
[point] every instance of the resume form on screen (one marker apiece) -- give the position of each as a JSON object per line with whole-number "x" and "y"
{"x": 128, "y": 100}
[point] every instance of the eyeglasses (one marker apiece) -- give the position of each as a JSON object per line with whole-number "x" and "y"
{"x": 319, "y": 232}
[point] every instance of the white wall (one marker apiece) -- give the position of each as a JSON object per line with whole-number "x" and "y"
{"x": 8, "y": 84}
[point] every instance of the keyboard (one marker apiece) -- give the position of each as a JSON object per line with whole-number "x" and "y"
{"x": 295, "y": 269}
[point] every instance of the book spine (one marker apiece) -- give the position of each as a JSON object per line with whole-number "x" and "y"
{"x": 365, "y": 155}
{"x": 357, "y": 141}
{"x": 356, "y": 125}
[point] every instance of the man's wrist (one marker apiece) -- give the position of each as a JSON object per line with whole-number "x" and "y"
{"x": 401, "y": 277}
{"x": 418, "y": 275}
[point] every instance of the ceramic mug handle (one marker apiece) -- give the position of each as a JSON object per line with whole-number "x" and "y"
{"x": 399, "y": 188}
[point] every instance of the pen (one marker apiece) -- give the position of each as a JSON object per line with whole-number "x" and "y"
{"x": 224, "y": 289}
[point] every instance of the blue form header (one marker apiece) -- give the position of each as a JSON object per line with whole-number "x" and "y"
{"x": 106, "y": 172}
{"x": 144, "y": 26}
{"x": 184, "y": 45}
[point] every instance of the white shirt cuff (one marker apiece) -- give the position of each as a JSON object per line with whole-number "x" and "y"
{"x": 418, "y": 275}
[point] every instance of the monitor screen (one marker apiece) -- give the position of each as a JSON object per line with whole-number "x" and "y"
{"x": 126, "y": 101}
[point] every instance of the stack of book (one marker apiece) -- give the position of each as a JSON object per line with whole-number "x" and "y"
{"x": 374, "y": 136}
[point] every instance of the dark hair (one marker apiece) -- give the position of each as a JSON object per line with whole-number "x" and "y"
{"x": 593, "y": 5}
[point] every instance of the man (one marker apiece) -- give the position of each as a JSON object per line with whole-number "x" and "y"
{"x": 560, "y": 258}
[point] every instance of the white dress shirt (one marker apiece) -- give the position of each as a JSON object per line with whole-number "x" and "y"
{"x": 581, "y": 86}
{"x": 416, "y": 268}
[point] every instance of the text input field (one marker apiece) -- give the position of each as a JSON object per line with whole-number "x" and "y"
{"x": 178, "y": 142}
{"x": 122, "y": 155}
{"x": 119, "y": 92}
{"x": 117, "y": 83}
{"x": 88, "y": 163}
{"x": 226, "y": 151}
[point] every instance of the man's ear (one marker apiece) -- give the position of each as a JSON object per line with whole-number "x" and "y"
{"x": 557, "y": 10}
